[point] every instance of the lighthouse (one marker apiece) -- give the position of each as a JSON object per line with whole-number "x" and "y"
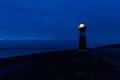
{"x": 82, "y": 37}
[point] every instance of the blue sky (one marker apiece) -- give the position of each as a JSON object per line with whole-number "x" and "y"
{"x": 59, "y": 19}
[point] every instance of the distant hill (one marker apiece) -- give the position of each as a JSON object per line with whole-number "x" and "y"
{"x": 117, "y": 45}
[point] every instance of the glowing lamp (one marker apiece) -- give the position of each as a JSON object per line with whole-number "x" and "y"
{"x": 82, "y": 25}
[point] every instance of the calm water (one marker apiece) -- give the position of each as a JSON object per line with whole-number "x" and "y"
{"x": 15, "y": 52}
{"x": 15, "y": 48}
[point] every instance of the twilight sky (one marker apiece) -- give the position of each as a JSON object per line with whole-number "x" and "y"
{"x": 59, "y": 19}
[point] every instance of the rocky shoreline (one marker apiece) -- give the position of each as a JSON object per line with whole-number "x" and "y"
{"x": 58, "y": 65}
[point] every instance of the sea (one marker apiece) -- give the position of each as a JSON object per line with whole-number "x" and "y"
{"x": 9, "y": 48}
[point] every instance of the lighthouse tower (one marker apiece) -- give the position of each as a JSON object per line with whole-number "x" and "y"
{"x": 82, "y": 37}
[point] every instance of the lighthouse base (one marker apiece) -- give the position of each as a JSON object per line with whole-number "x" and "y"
{"x": 81, "y": 50}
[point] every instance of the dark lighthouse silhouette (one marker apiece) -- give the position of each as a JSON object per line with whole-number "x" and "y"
{"x": 82, "y": 37}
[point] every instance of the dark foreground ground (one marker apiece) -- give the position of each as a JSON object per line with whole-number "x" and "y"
{"x": 59, "y": 65}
